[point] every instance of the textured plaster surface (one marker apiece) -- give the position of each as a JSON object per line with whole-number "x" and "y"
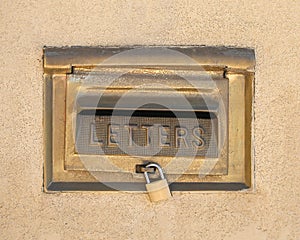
{"x": 271, "y": 212}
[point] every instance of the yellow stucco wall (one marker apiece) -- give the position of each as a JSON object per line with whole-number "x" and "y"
{"x": 271, "y": 212}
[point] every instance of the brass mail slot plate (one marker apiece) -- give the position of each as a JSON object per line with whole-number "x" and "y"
{"x": 143, "y": 133}
{"x": 110, "y": 109}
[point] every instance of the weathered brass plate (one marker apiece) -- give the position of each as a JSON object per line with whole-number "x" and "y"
{"x": 146, "y": 130}
{"x": 109, "y": 109}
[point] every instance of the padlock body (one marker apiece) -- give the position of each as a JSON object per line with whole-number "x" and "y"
{"x": 158, "y": 190}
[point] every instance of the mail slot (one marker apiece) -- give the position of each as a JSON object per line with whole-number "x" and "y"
{"x": 109, "y": 110}
{"x": 145, "y": 133}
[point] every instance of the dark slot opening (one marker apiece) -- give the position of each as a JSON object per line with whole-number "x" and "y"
{"x": 150, "y": 113}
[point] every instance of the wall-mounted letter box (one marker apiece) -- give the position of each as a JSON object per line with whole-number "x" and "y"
{"x": 111, "y": 110}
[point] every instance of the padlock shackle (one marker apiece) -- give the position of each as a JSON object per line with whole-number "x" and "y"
{"x": 154, "y": 165}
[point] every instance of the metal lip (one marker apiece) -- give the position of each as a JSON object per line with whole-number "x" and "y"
{"x": 62, "y": 60}
{"x": 140, "y": 187}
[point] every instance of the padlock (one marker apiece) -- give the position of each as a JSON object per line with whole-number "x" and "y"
{"x": 157, "y": 190}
